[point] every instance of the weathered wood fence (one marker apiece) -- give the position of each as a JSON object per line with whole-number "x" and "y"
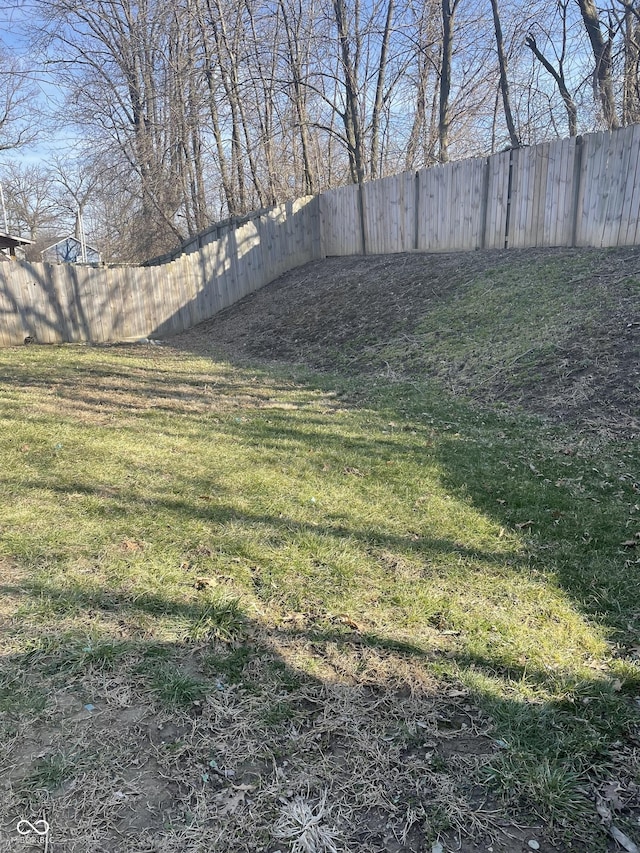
{"x": 571, "y": 192}
{"x": 66, "y": 302}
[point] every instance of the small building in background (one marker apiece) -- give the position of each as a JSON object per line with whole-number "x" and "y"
{"x": 12, "y": 247}
{"x": 69, "y": 251}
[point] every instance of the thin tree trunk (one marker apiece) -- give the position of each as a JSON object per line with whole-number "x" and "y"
{"x": 378, "y": 103}
{"x": 351, "y": 115}
{"x": 558, "y": 76}
{"x": 295, "y": 65}
{"x": 504, "y": 81}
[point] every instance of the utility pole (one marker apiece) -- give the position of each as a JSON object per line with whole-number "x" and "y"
{"x": 81, "y": 237}
{"x": 4, "y": 211}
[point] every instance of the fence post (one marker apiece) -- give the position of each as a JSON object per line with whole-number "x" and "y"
{"x": 322, "y": 252}
{"x": 484, "y": 204}
{"x": 576, "y": 194}
{"x": 416, "y": 218}
{"x": 363, "y": 228}
{"x": 507, "y": 218}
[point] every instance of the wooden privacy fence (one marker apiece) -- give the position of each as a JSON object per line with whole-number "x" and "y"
{"x": 571, "y": 192}
{"x": 66, "y": 302}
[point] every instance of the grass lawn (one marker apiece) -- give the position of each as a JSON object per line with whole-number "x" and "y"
{"x": 253, "y": 609}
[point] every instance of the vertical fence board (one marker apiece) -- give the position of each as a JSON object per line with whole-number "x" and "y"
{"x": 551, "y": 195}
{"x": 139, "y": 279}
{"x": 520, "y": 198}
{"x": 617, "y": 177}
{"x": 183, "y": 314}
{"x": 631, "y": 211}
{"x": 157, "y": 289}
{"x": 497, "y": 200}
{"x": 594, "y": 152}
{"x": 564, "y": 224}
{"x": 14, "y": 326}
{"x": 565, "y": 227}
{"x": 211, "y": 280}
{"x": 8, "y": 313}
{"x": 428, "y": 209}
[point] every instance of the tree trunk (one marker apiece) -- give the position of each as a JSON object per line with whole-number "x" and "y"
{"x": 448, "y": 15}
{"x": 504, "y": 81}
{"x": 602, "y": 56}
{"x": 558, "y": 76}
{"x": 378, "y": 103}
{"x": 351, "y": 114}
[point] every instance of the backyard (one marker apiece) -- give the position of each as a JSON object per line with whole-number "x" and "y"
{"x": 350, "y": 567}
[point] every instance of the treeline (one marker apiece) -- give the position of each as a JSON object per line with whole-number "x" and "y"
{"x": 183, "y": 112}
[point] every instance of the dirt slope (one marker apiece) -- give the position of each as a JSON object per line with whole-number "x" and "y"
{"x": 553, "y": 331}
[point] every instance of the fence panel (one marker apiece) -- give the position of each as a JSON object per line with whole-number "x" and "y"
{"x": 497, "y": 200}
{"x": 595, "y": 150}
{"x": 629, "y": 233}
{"x": 450, "y": 206}
{"x": 542, "y": 193}
{"x": 389, "y": 214}
{"x": 341, "y": 222}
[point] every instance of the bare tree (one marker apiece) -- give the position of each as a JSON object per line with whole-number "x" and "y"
{"x": 424, "y": 76}
{"x": 17, "y": 103}
{"x": 629, "y": 25}
{"x": 379, "y": 97}
{"x": 32, "y": 207}
{"x": 601, "y": 48}
{"x": 297, "y": 59}
{"x": 558, "y": 74}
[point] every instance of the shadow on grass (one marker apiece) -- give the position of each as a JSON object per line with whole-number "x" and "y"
{"x": 560, "y": 734}
{"x": 386, "y": 730}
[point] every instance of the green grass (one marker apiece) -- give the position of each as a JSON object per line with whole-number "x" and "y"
{"x": 157, "y": 504}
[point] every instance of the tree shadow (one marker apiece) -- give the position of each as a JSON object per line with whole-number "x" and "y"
{"x": 403, "y": 751}
{"x": 239, "y": 726}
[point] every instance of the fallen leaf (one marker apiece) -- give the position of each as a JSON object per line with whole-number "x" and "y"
{"x": 231, "y": 799}
{"x": 348, "y": 621}
{"x": 611, "y": 795}
{"x": 131, "y": 545}
{"x": 204, "y": 551}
